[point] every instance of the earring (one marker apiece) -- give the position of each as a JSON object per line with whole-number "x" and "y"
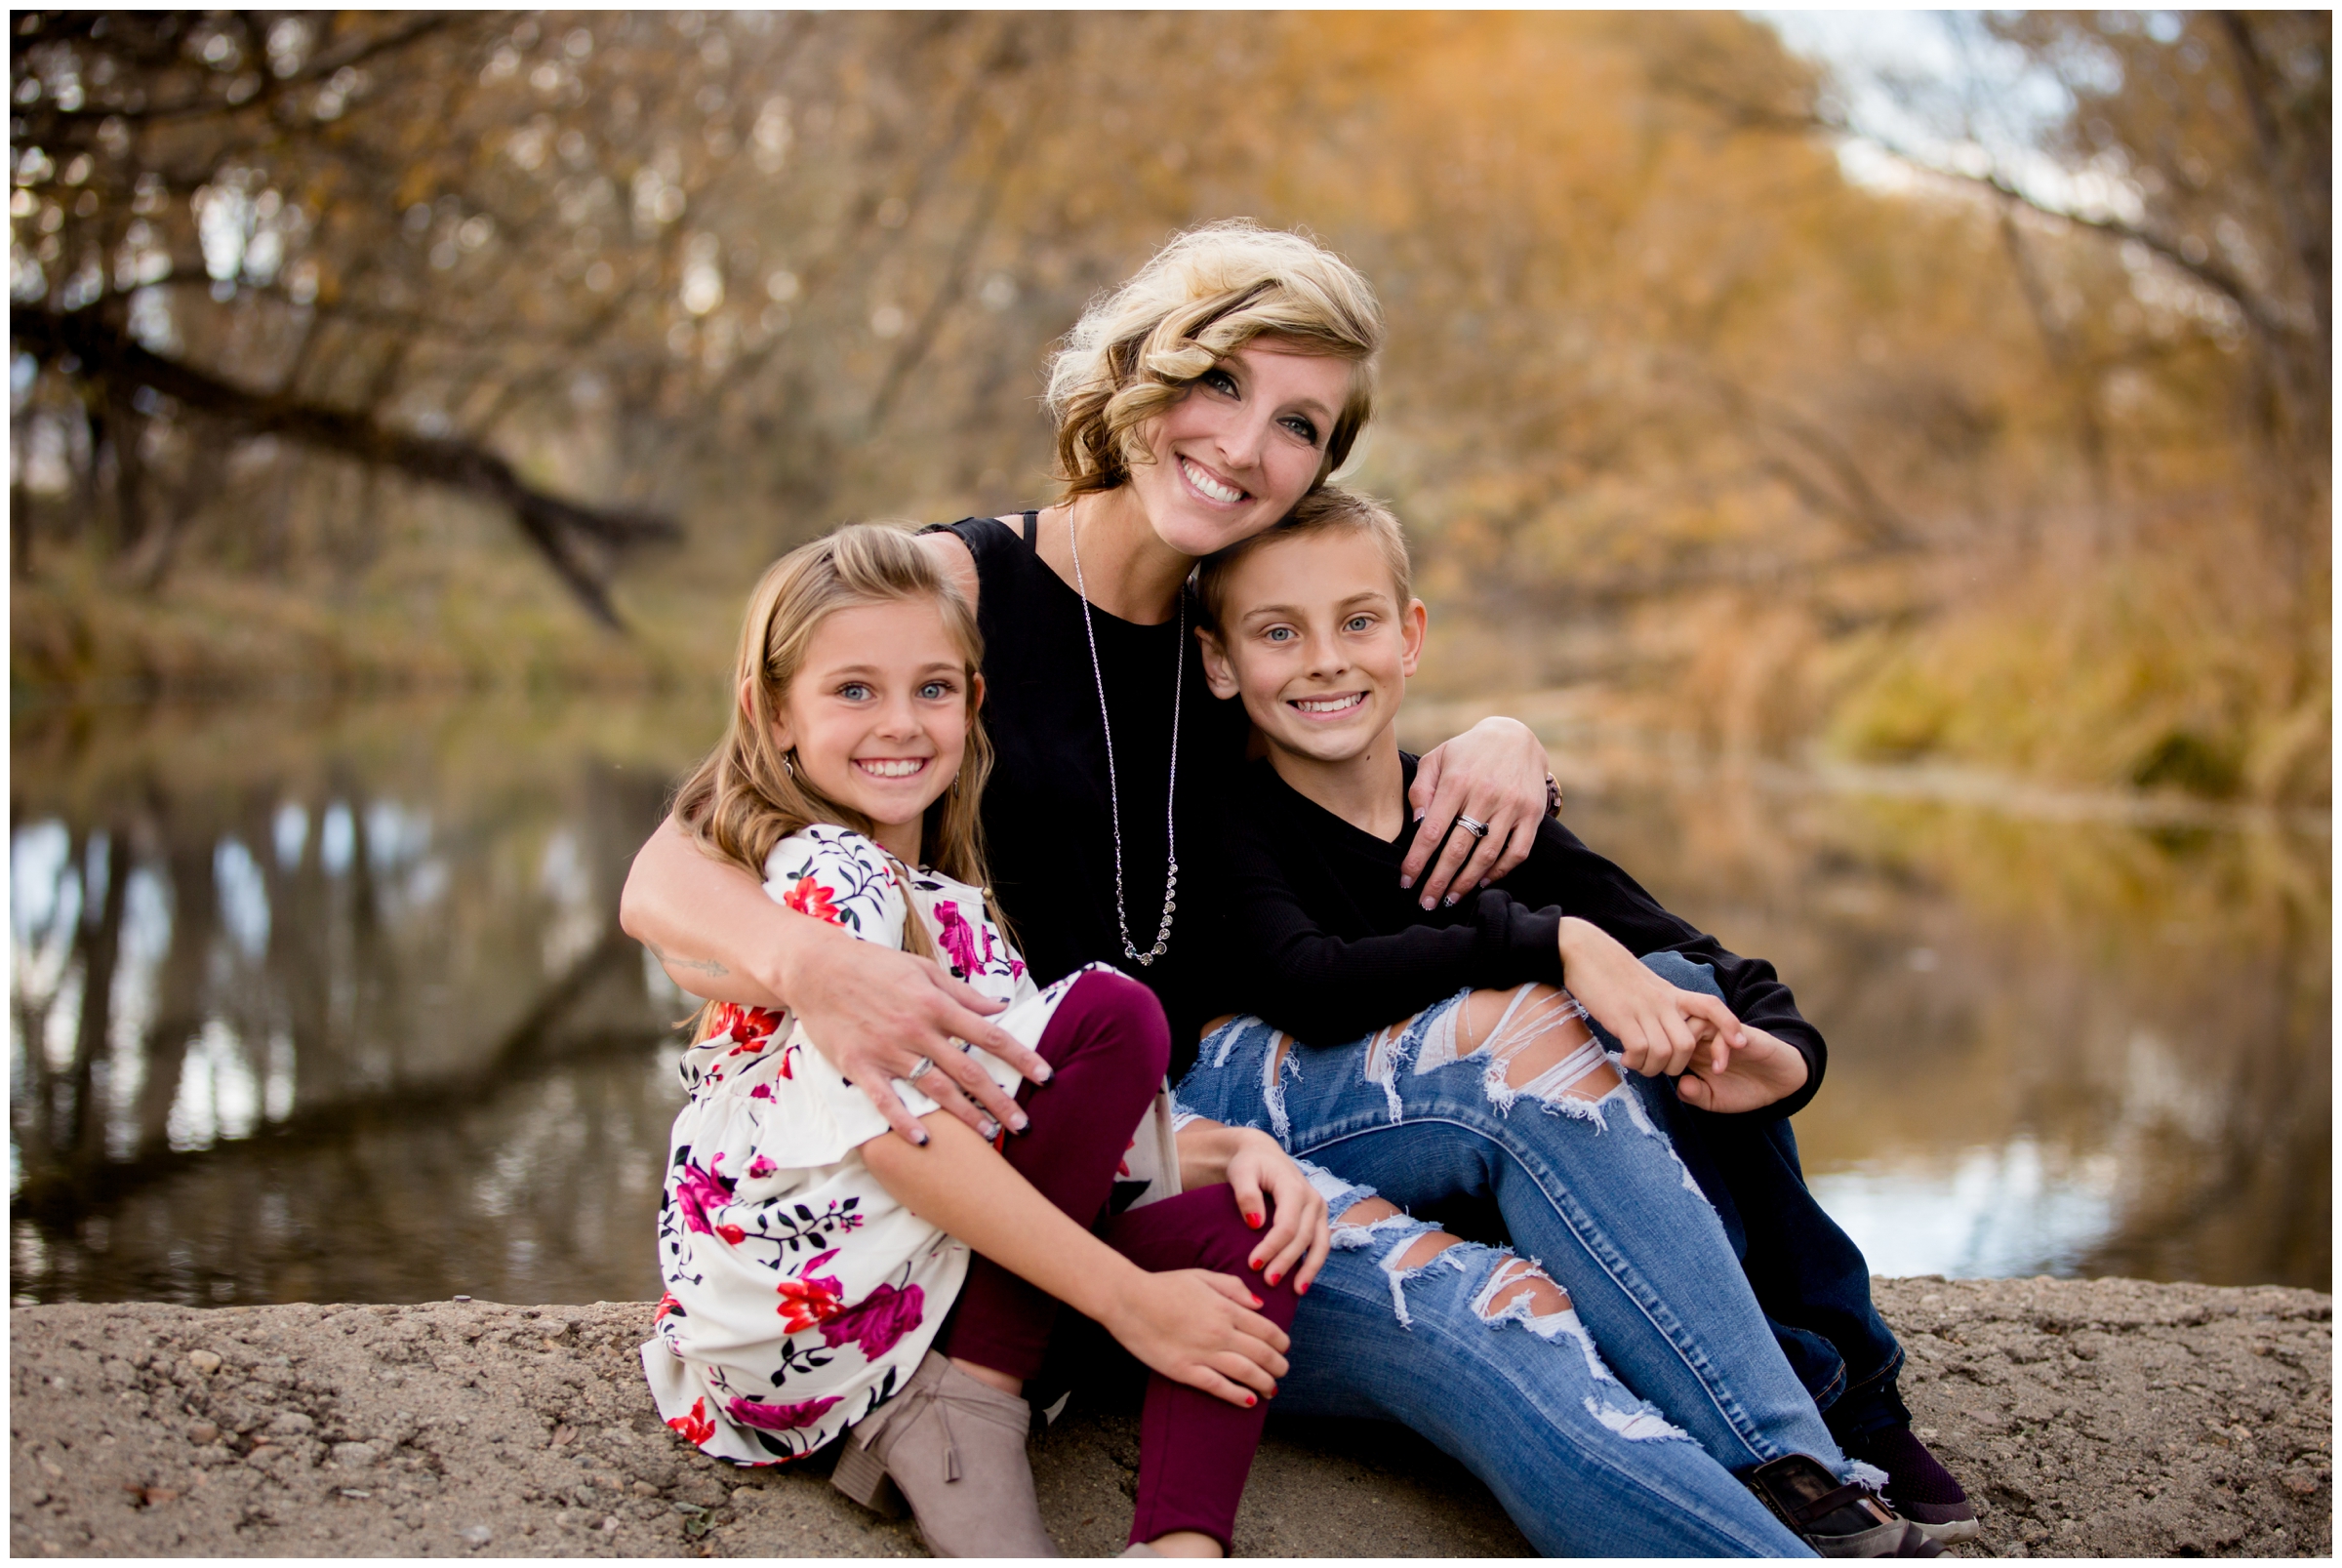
{"x": 786, "y": 766}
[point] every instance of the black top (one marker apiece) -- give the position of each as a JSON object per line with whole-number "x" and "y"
{"x": 1322, "y": 942}
{"x": 1048, "y": 823}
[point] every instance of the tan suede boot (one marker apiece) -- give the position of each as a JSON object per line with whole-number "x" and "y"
{"x": 955, "y": 1450}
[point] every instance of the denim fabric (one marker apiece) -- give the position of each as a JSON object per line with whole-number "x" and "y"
{"x": 1593, "y": 1191}
{"x": 1582, "y": 1466}
{"x": 1809, "y": 1278}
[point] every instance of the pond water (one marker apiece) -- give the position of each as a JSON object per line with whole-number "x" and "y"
{"x": 327, "y": 1004}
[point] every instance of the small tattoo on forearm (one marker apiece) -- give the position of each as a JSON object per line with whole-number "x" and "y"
{"x": 698, "y": 966}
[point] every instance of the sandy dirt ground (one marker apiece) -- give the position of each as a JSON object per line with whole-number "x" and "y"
{"x": 2103, "y": 1417}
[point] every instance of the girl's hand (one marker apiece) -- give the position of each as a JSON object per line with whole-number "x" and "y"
{"x": 1260, "y": 1173}
{"x": 877, "y": 1011}
{"x": 1198, "y": 1327}
{"x": 1493, "y": 772}
{"x": 1659, "y": 1027}
{"x": 1765, "y": 1069}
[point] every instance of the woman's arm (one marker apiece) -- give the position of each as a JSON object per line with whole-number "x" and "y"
{"x": 1266, "y": 1184}
{"x": 874, "y": 1010}
{"x": 1190, "y": 1324}
{"x": 1493, "y": 772}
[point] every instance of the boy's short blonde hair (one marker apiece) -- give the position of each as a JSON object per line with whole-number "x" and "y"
{"x": 1330, "y": 506}
{"x": 1205, "y": 295}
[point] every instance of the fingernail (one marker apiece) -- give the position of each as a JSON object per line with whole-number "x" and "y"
{"x": 1256, "y": 1300}
{"x": 1251, "y": 1401}
{"x": 921, "y": 1139}
{"x": 1022, "y": 1122}
{"x": 991, "y": 1128}
{"x": 1253, "y": 1219}
{"x": 1427, "y": 901}
{"x": 1301, "y": 1290}
{"x": 1272, "y": 1279}
{"x": 1046, "y": 1073}
{"x": 1484, "y": 881}
{"x": 1419, "y": 813}
{"x": 1450, "y": 899}
{"x": 1406, "y": 881}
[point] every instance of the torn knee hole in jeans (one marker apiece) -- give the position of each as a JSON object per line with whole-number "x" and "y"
{"x": 1276, "y": 1063}
{"x": 1537, "y": 1043}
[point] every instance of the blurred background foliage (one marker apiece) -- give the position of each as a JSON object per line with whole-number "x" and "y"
{"x": 373, "y": 350}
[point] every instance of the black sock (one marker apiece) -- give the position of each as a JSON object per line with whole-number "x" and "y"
{"x": 1913, "y": 1474}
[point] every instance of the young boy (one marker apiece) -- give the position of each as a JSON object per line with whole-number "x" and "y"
{"x": 1313, "y": 626}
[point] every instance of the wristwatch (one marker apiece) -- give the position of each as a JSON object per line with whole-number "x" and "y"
{"x": 1553, "y": 797}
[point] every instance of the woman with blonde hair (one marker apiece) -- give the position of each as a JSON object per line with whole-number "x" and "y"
{"x": 1196, "y": 405}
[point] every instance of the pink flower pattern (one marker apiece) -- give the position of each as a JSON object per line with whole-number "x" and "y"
{"x": 827, "y": 1353}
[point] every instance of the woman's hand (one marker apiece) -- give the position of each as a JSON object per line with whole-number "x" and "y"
{"x": 1659, "y": 1027}
{"x": 877, "y": 1011}
{"x": 1493, "y": 772}
{"x": 1765, "y": 1069}
{"x": 1266, "y": 1182}
{"x": 1198, "y": 1327}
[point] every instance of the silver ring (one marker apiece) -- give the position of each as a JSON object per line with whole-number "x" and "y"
{"x": 1475, "y": 829}
{"x": 920, "y": 1070}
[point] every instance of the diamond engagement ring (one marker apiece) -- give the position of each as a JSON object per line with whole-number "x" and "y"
{"x": 920, "y": 1070}
{"x": 1475, "y": 829}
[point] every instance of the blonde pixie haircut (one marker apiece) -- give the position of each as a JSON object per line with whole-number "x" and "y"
{"x": 748, "y": 795}
{"x": 1207, "y": 293}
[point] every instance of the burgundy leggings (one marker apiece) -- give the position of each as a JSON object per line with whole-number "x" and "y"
{"x": 1110, "y": 1045}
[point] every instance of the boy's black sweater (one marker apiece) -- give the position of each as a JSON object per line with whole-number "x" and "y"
{"x": 1326, "y": 945}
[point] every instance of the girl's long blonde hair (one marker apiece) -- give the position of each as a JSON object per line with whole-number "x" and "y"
{"x": 748, "y": 795}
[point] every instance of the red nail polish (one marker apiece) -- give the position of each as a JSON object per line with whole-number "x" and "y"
{"x": 1253, "y": 1219}
{"x": 1301, "y": 1290}
{"x": 1271, "y": 1279}
{"x": 1251, "y": 1401}
{"x": 1256, "y": 1300}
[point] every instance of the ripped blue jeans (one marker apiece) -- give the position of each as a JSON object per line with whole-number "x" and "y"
{"x": 1491, "y": 1356}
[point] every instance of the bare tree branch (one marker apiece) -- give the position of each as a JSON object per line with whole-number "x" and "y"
{"x": 555, "y": 527}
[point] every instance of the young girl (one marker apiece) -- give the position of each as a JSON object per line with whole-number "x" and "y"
{"x": 817, "y": 1273}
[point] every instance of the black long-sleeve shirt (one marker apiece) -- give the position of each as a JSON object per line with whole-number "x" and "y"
{"x": 1322, "y": 941}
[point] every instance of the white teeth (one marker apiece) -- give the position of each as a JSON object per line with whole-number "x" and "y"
{"x": 1208, "y": 485}
{"x": 902, "y": 768}
{"x": 1330, "y": 704}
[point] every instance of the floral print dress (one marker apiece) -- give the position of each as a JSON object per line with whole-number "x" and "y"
{"x": 799, "y": 1295}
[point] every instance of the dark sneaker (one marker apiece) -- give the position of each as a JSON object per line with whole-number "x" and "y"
{"x": 1918, "y": 1486}
{"x": 1837, "y": 1519}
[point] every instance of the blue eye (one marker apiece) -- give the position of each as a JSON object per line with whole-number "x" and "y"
{"x": 1219, "y": 381}
{"x": 935, "y": 691}
{"x": 1278, "y": 634}
{"x": 1359, "y": 623}
{"x": 1304, "y": 428}
{"x": 854, "y": 691}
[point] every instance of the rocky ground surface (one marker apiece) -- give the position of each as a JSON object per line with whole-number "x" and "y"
{"x": 2103, "y": 1417}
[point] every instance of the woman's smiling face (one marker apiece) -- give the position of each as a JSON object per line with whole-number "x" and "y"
{"x": 1245, "y": 443}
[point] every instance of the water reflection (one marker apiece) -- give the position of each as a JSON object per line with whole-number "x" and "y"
{"x": 264, "y": 954}
{"x": 330, "y": 1005}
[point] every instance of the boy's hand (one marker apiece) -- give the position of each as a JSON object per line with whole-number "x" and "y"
{"x": 1765, "y": 1069}
{"x": 1493, "y": 772}
{"x": 1659, "y": 1027}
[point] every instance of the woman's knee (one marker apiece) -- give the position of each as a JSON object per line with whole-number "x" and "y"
{"x": 1685, "y": 973}
{"x": 1537, "y": 1040}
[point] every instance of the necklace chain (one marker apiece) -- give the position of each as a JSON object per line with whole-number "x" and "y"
{"x": 1114, "y": 790}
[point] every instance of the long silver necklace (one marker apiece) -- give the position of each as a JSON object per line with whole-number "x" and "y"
{"x": 1114, "y": 790}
